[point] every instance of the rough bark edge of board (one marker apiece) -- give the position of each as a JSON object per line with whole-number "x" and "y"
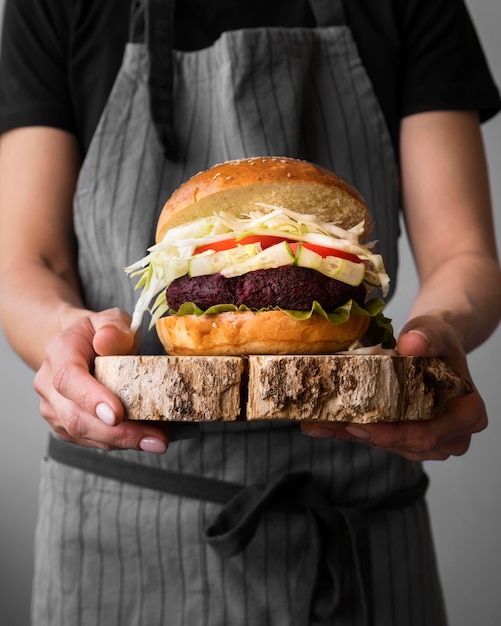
{"x": 347, "y": 388}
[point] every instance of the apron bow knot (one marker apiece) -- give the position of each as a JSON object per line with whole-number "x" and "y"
{"x": 337, "y": 540}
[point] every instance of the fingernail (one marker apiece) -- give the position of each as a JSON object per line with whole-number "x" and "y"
{"x": 153, "y": 445}
{"x": 321, "y": 433}
{"x": 106, "y": 414}
{"x": 421, "y": 334}
{"x": 358, "y": 433}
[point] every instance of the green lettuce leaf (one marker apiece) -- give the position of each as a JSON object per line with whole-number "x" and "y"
{"x": 379, "y": 331}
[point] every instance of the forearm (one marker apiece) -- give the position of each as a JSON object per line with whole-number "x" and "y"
{"x": 466, "y": 293}
{"x": 39, "y": 287}
{"x": 36, "y": 304}
{"x": 449, "y": 220}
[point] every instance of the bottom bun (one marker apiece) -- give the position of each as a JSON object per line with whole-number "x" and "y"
{"x": 267, "y": 332}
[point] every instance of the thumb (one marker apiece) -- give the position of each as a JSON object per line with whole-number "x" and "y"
{"x": 111, "y": 340}
{"x": 415, "y": 342}
{"x": 113, "y": 334}
{"x": 429, "y": 336}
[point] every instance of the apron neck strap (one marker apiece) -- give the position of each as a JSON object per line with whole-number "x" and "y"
{"x": 328, "y": 12}
{"x": 152, "y": 22}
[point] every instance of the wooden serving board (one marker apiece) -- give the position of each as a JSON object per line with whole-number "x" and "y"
{"x": 348, "y": 388}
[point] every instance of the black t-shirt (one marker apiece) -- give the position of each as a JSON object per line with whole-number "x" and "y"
{"x": 59, "y": 58}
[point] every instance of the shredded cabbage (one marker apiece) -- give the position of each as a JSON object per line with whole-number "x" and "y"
{"x": 169, "y": 259}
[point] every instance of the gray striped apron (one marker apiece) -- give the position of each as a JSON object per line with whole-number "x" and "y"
{"x": 235, "y": 524}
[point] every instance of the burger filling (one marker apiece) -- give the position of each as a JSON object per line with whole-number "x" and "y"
{"x": 287, "y": 287}
{"x": 273, "y": 258}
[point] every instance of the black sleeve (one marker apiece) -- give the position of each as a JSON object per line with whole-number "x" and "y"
{"x": 34, "y": 85}
{"x": 57, "y": 52}
{"x": 444, "y": 63}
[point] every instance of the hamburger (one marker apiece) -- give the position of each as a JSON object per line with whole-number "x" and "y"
{"x": 263, "y": 256}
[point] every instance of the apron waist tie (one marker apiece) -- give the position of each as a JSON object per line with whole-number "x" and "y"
{"x": 337, "y": 581}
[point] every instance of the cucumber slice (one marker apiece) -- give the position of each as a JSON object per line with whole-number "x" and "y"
{"x": 274, "y": 256}
{"x": 343, "y": 270}
{"x": 214, "y": 262}
{"x": 307, "y": 258}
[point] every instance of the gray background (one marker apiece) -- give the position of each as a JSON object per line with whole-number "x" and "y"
{"x": 465, "y": 508}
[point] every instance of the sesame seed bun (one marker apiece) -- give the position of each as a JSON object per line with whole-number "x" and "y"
{"x": 235, "y": 187}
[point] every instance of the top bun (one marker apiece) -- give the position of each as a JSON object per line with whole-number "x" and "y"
{"x": 236, "y": 187}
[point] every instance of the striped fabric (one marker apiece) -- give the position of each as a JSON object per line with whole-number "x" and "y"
{"x": 111, "y": 553}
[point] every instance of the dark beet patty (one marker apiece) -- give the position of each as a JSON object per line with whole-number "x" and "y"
{"x": 287, "y": 287}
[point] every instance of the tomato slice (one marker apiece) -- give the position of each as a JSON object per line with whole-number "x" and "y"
{"x": 323, "y": 251}
{"x": 266, "y": 241}
{"x": 217, "y": 246}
